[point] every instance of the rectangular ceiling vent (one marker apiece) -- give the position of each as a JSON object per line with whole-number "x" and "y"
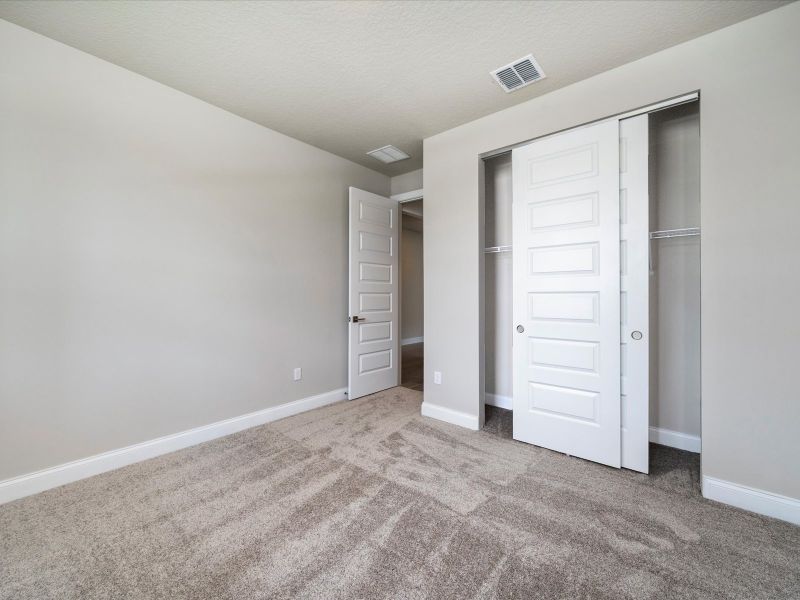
{"x": 388, "y": 154}
{"x": 518, "y": 74}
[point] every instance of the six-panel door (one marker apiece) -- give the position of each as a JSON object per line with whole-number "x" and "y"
{"x": 567, "y": 293}
{"x": 373, "y": 294}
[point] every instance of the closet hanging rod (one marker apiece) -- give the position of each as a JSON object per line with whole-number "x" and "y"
{"x": 496, "y": 249}
{"x": 670, "y": 233}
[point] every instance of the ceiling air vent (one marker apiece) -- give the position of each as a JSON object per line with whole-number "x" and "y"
{"x": 518, "y": 74}
{"x": 388, "y": 154}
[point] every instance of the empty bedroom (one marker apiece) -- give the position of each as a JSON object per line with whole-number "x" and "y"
{"x": 361, "y": 299}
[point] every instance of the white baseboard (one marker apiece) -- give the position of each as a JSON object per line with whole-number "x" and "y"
{"x": 757, "y": 501}
{"x": 39, "y": 481}
{"x": 456, "y": 417}
{"x": 414, "y": 340}
{"x": 499, "y": 401}
{"x": 675, "y": 439}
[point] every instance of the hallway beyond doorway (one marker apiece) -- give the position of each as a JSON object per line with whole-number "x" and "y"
{"x": 412, "y": 373}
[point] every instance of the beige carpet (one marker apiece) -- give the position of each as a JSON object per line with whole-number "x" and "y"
{"x": 367, "y": 499}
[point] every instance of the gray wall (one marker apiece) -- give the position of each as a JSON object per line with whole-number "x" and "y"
{"x": 163, "y": 263}
{"x": 408, "y": 182}
{"x": 749, "y": 213}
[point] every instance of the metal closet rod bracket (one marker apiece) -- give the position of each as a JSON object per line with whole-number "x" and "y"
{"x": 496, "y": 249}
{"x": 670, "y": 233}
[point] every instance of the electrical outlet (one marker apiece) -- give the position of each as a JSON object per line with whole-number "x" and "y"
{"x": 298, "y": 374}
{"x": 437, "y": 377}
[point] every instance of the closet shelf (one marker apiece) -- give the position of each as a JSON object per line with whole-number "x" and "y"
{"x": 670, "y": 233}
{"x": 496, "y": 249}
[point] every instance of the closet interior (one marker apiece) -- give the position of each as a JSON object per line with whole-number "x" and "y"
{"x": 674, "y": 278}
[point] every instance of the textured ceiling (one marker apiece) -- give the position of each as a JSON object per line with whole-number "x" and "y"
{"x": 352, "y": 76}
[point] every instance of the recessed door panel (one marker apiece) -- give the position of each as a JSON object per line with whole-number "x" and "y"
{"x": 572, "y": 211}
{"x": 375, "y": 332}
{"x": 564, "y": 354}
{"x": 376, "y": 214}
{"x": 564, "y": 402}
{"x": 579, "y": 307}
{"x": 375, "y": 242}
{"x": 375, "y": 273}
{"x": 374, "y": 361}
{"x": 374, "y": 302}
{"x": 560, "y": 167}
{"x": 565, "y": 259}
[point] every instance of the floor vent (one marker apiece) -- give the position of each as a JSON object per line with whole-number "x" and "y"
{"x": 518, "y": 74}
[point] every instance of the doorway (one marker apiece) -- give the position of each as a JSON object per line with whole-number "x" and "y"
{"x": 385, "y": 289}
{"x": 412, "y": 322}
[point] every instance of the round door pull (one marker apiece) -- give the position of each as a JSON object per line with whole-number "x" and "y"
{"x": 520, "y": 328}
{"x": 637, "y": 335}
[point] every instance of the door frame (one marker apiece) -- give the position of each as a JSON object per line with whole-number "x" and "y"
{"x": 686, "y": 98}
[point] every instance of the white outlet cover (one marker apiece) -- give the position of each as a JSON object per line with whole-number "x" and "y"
{"x": 437, "y": 377}
{"x": 298, "y": 374}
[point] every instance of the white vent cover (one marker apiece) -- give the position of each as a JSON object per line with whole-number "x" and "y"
{"x": 388, "y": 154}
{"x": 518, "y": 74}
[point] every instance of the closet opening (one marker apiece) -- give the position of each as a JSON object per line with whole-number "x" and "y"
{"x": 412, "y": 293}
{"x": 498, "y": 290}
{"x": 659, "y": 171}
{"x": 674, "y": 269}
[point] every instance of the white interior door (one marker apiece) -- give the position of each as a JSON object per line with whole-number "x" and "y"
{"x": 634, "y": 211}
{"x": 566, "y": 243}
{"x": 374, "y": 317}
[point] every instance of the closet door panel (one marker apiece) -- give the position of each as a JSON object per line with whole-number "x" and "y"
{"x": 634, "y": 293}
{"x": 566, "y": 293}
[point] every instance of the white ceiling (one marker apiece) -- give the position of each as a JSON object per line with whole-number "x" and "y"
{"x": 353, "y": 76}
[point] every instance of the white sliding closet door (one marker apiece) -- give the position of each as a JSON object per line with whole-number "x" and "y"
{"x": 634, "y": 210}
{"x": 566, "y": 243}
